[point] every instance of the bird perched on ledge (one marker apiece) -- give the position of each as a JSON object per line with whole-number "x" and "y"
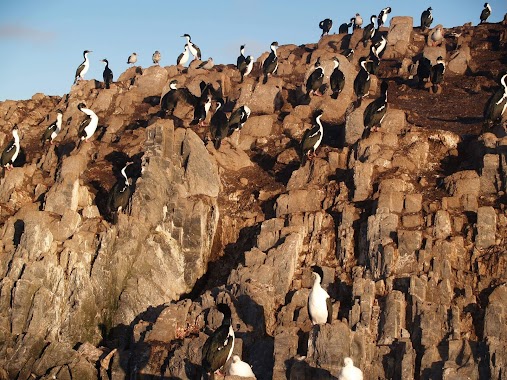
{"x": 156, "y": 57}
{"x": 326, "y": 26}
{"x": 83, "y": 67}
{"x": 497, "y": 103}
{"x": 319, "y": 302}
{"x": 349, "y": 371}
{"x": 11, "y": 151}
{"x": 53, "y": 129}
{"x": 312, "y": 138}
{"x": 270, "y": 65}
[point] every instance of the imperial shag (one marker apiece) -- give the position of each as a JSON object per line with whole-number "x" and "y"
{"x": 53, "y": 129}
{"x": 271, "y": 63}
{"x": 171, "y": 98}
{"x": 344, "y": 28}
{"x": 382, "y": 17}
{"x": 437, "y": 75}
{"x": 375, "y": 112}
{"x": 246, "y": 67}
{"x": 219, "y": 346}
{"x": 241, "y": 57}
{"x": 486, "y": 12}
{"x": 240, "y": 368}
{"x": 319, "y": 302}
{"x": 337, "y": 79}
{"x": 89, "y": 125}
{"x": 83, "y": 67}
{"x": 11, "y": 151}
{"x": 362, "y": 82}
{"x": 201, "y": 111}
{"x": 119, "y": 195}
{"x": 315, "y": 79}
{"x": 358, "y": 21}
{"x": 107, "y": 74}
{"x": 349, "y": 371}
{"x": 312, "y": 138}
{"x": 326, "y": 26}
{"x": 132, "y": 59}
{"x": 426, "y": 18}
{"x": 183, "y": 57}
{"x": 193, "y": 48}
{"x": 368, "y": 31}
{"x": 497, "y": 103}
{"x": 156, "y": 57}
{"x": 219, "y": 125}
{"x": 238, "y": 117}
{"x": 423, "y": 71}
{"x": 378, "y": 47}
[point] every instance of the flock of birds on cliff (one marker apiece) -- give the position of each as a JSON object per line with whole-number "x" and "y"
{"x": 219, "y": 347}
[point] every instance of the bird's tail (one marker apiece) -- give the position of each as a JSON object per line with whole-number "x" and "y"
{"x": 265, "y": 79}
{"x": 435, "y": 88}
{"x": 107, "y": 84}
{"x": 217, "y": 143}
{"x": 335, "y": 94}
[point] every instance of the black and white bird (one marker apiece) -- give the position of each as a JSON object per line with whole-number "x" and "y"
{"x": 171, "y": 98}
{"x": 437, "y": 75}
{"x": 319, "y": 302}
{"x": 240, "y": 368}
{"x": 497, "y": 103}
{"x": 132, "y": 59}
{"x": 219, "y": 346}
{"x": 486, "y": 12}
{"x": 348, "y": 53}
{"x": 426, "y": 18}
{"x": 315, "y": 79}
{"x": 201, "y": 111}
{"x": 378, "y": 46}
{"x": 368, "y": 31}
{"x": 107, "y": 74}
{"x": 83, "y": 67}
{"x": 238, "y": 118}
{"x": 241, "y": 57}
{"x": 11, "y": 151}
{"x": 423, "y": 71}
{"x": 362, "y": 82}
{"x": 246, "y": 67}
{"x": 349, "y": 371}
{"x": 312, "y": 138}
{"x": 358, "y": 21}
{"x": 344, "y": 28}
{"x": 156, "y": 57}
{"x": 382, "y": 17}
{"x": 89, "y": 125}
{"x": 375, "y": 112}
{"x": 119, "y": 195}
{"x": 193, "y": 48}
{"x": 207, "y": 65}
{"x": 270, "y": 64}
{"x": 337, "y": 79}
{"x": 219, "y": 125}
{"x": 372, "y": 63}
{"x": 53, "y": 129}
{"x": 183, "y": 57}
{"x": 326, "y": 26}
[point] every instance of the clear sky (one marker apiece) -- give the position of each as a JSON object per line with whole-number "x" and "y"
{"x": 42, "y": 41}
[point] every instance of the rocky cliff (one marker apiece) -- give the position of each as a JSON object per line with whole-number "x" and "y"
{"x": 408, "y": 224}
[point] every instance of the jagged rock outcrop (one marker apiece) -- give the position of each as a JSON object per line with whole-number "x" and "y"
{"x": 407, "y": 224}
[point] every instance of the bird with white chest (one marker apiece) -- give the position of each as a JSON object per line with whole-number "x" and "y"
{"x": 320, "y": 308}
{"x": 53, "y": 129}
{"x": 240, "y": 368}
{"x": 349, "y": 371}
{"x": 11, "y": 151}
{"x": 83, "y": 67}
{"x": 89, "y": 125}
{"x": 193, "y": 48}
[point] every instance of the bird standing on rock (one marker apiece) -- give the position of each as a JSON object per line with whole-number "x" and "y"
{"x": 382, "y": 17}
{"x": 219, "y": 125}
{"x": 436, "y": 37}
{"x": 107, "y": 75}
{"x": 358, "y": 21}
{"x": 241, "y": 57}
{"x": 426, "y": 18}
{"x": 238, "y": 118}
{"x": 486, "y": 12}
{"x": 53, "y": 130}
{"x": 497, "y": 103}
{"x": 362, "y": 82}
{"x": 315, "y": 79}
{"x": 369, "y": 31}
{"x": 201, "y": 111}
{"x": 375, "y": 112}
{"x": 344, "y": 28}
{"x": 156, "y": 57}
{"x": 337, "y": 79}
{"x": 119, "y": 195}
{"x": 207, "y": 65}
{"x": 89, "y": 125}
{"x": 320, "y": 308}
{"x": 183, "y": 57}
{"x": 132, "y": 59}
{"x": 219, "y": 346}
{"x": 326, "y": 26}
{"x": 312, "y": 138}
{"x": 437, "y": 76}
{"x": 246, "y": 67}
{"x": 11, "y": 151}
{"x": 349, "y": 371}
{"x": 83, "y": 67}
{"x": 193, "y": 48}
{"x": 270, "y": 65}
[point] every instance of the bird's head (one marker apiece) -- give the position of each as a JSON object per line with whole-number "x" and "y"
{"x": 348, "y": 362}
{"x": 104, "y": 61}
{"x": 81, "y": 105}
{"x": 317, "y": 272}
{"x": 224, "y": 309}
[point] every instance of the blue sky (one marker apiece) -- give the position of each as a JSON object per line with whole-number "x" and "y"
{"x": 42, "y": 41}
